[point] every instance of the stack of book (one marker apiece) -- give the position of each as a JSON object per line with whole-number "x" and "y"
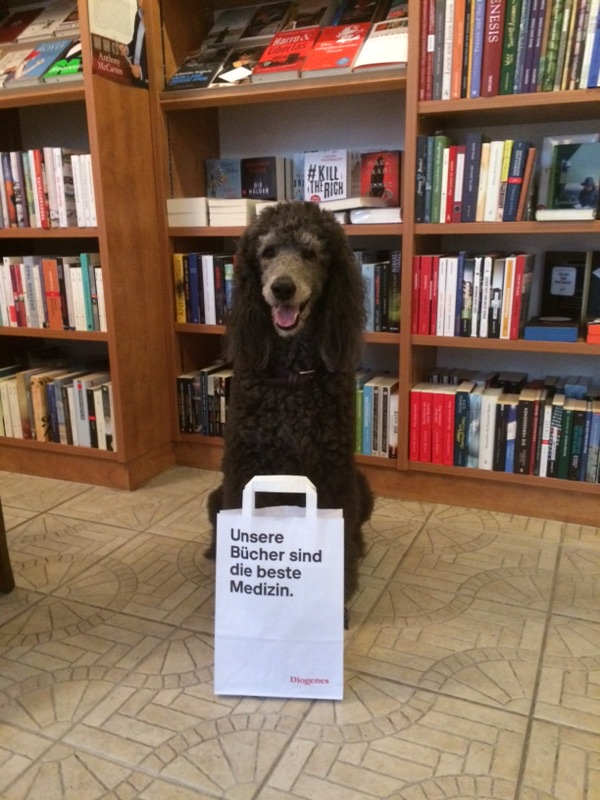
{"x": 58, "y": 403}
{"x": 376, "y": 414}
{"x": 55, "y": 292}
{"x": 481, "y": 49}
{"x": 284, "y": 40}
{"x": 202, "y": 399}
{"x": 478, "y": 181}
{"x": 46, "y": 187}
{"x": 231, "y": 212}
{"x": 481, "y": 295}
{"x": 508, "y": 423}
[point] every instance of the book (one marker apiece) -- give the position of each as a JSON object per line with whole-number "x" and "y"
{"x": 507, "y": 295}
{"x": 496, "y": 292}
{"x": 350, "y": 12}
{"x": 380, "y": 175}
{"x": 574, "y": 177}
{"x": 386, "y": 46}
{"x": 493, "y": 179}
{"x": 335, "y": 49}
{"x": 47, "y": 20}
{"x": 39, "y": 59}
{"x": 461, "y": 422}
{"x": 69, "y": 67}
{"x": 548, "y": 164}
{"x": 65, "y": 188}
{"x": 331, "y": 175}
{"x": 514, "y": 185}
{"x": 284, "y": 56}
{"x": 197, "y": 69}
{"x": 374, "y": 216}
{"x": 265, "y": 178}
{"x": 477, "y": 41}
{"x": 238, "y": 65}
{"x": 310, "y": 13}
{"x": 551, "y": 329}
{"x": 224, "y": 177}
{"x": 512, "y": 20}
{"x": 228, "y": 26}
{"x": 474, "y": 141}
{"x": 491, "y": 56}
{"x": 267, "y": 19}
{"x": 16, "y": 22}
{"x": 487, "y": 426}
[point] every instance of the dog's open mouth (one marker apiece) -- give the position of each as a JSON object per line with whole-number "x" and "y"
{"x": 286, "y": 317}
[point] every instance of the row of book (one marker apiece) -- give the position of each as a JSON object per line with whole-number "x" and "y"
{"x": 46, "y": 187}
{"x": 203, "y": 394}
{"x": 62, "y": 404}
{"x": 202, "y": 287}
{"x": 477, "y": 48}
{"x": 315, "y": 175}
{"x": 376, "y": 414}
{"x": 48, "y": 61}
{"x": 286, "y": 40}
{"x": 478, "y": 181}
{"x": 55, "y": 292}
{"x": 202, "y": 397}
{"x": 481, "y": 295}
{"x": 381, "y": 275}
{"x": 505, "y": 422}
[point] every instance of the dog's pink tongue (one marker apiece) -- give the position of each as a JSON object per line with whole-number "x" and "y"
{"x": 286, "y": 316}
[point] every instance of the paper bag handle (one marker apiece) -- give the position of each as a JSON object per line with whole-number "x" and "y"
{"x": 294, "y": 484}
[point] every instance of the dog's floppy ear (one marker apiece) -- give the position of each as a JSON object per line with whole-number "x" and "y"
{"x": 343, "y": 317}
{"x": 249, "y": 329}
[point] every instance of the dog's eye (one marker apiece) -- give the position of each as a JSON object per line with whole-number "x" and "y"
{"x": 268, "y": 252}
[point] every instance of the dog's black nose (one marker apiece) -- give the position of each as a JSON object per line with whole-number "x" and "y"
{"x": 283, "y": 289}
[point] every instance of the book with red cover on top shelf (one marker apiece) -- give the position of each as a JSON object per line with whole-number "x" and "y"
{"x": 285, "y": 54}
{"x": 335, "y": 50}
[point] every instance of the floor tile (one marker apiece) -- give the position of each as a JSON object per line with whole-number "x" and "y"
{"x": 63, "y": 772}
{"x": 458, "y": 517}
{"x": 37, "y": 494}
{"x": 562, "y": 764}
{"x": 388, "y": 741}
{"x": 569, "y": 691}
{"x": 18, "y": 751}
{"x": 577, "y": 591}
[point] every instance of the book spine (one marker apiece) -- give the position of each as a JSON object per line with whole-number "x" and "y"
{"x": 512, "y": 19}
{"x": 514, "y": 181}
{"x": 461, "y": 428}
{"x": 471, "y": 179}
{"x": 477, "y": 49}
{"x": 492, "y": 48}
{"x": 521, "y": 45}
{"x": 537, "y": 45}
{"x": 421, "y": 156}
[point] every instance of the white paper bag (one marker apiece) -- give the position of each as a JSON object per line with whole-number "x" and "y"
{"x": 279, "y": 616}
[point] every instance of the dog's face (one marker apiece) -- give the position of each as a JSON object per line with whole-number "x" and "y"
{"x": 293, "y": 274}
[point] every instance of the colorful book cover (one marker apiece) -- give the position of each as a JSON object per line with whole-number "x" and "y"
{"x": 380, "y": 174}
{"x": 285, "y": 54}
{"x": 335, "y": 49}
{"x": 37, "y": 62}
{"x": 68, "y": 67}
{"x": 197, "y": 70}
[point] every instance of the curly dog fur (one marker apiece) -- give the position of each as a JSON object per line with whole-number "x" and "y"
{"x": 294, "y": 339}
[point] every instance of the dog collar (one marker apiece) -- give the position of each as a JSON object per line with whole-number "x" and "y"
{"x": 291, "y": 380}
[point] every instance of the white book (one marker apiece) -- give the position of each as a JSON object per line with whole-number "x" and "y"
{"x": 444, "y": 184}
{"x": 78, "y": 297}
{"x": 86, "y": 161}
{"x": 484, "y": 162}
{"x": 494, "y": 178}
{"x": 38, "y": 287}
{"x": 31, "y": 312}
{"x": 450, "y": 295}
{"x": 97, "y": 392}
{"x": 208, "y": 283}
{"x": 78, "y": 189}
{"x": 392, "y": 436}
{"x": 388, "y": 387}
{"x": 475, "y": 313}
{"x": 47, "y": 21}
{"x": 65, "y": 191}
{"x": 68, "y": 264}
{"x": 486, "y": 286}
{"x": 460, "y": 177}
{"x": 6, "y": 407}
{"x": 82, "y": 416}
{"x": 101, "y": 300}
{"x": 447, "y": 52}
{"x": 545, "y": 436}
{"x": 590, "y": 32}
{"x": 109, "y": 417}
{"x": 51, "y": 184}
{"x": 487, "y": 426}
{"x": 441, "y": 298}
{"x": 14, "y": 409}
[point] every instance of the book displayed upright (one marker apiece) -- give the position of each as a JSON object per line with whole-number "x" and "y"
{"x": 335, "y": 49}
{"x": 385, "y": 46}
{"x": 285, "y": 55}
{"x": 331, "y": 175}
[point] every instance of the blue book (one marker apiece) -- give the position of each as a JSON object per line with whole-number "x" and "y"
{"x": 368, "y": 273}
{"x": 367, "y": 417}
{"x": 550, "y": 329}
{"x": 516, "y": 168}
{"x": 537, "y": 46}
{"x": 511, "y": 434}
{"x": 471, "y": 175}
{"x": 40, "y": 59}
{"x": 460, "y": 272}
{"x": 477, "y": 49}
{"x": 194, "y": 287}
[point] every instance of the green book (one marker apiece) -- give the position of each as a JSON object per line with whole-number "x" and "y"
{"x": 441, "y": 141}
{"x": 550, "y": 59}
{"x": 509, "y": 47}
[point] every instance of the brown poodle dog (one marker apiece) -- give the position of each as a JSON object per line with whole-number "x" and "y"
{"x": 294, "y": 337}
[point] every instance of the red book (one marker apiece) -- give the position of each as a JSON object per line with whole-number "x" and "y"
{"x": 495, "y": 11}
{"x": 380, "y": 175}
{"x": 285, "y": 54}
{"x": 427, "y": 48}
{"x": 425, "y": 423}
{"x": 461, "y": 155}
{"x": 452, "y": 155}
{"x": 41, "y": 187}
{"x": 521, "y": 291}
{"x": 425, "y": 294}
{"x": 435, "y": 291}
{"x": 19, "y": 294}
{"x": 437, "y": 424}
{"x": 335, "y": 49}
{"x": 416, "y": 281}
{"x": 52, "y": 293}
{"x": 414, "y": 423}
{"x": 448, "y": 415}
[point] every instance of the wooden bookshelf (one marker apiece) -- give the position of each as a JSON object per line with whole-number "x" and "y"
{"x": 115, "y": 129}
{"x": 189, "y": 128}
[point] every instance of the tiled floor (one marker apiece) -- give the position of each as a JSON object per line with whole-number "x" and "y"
{"x": 472, "y": 661}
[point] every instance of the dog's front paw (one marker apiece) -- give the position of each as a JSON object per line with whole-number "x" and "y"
{"x": 211, "y": 553}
